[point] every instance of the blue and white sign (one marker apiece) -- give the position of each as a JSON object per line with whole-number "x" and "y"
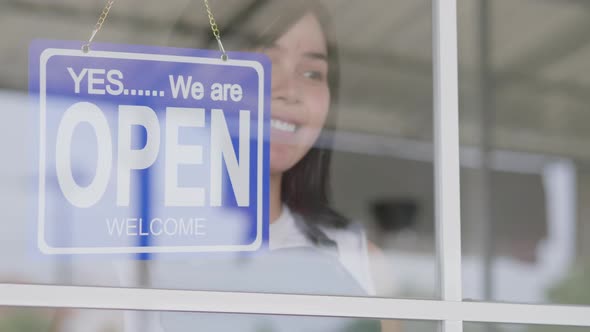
{"x": 150, "y": 149}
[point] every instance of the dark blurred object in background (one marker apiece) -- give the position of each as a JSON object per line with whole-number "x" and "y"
{"x": 394, "y": 214}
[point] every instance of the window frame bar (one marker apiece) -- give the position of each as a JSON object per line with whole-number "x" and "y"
{"x": 14, "y": 295}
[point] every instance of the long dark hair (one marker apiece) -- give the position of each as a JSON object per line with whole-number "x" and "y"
{"x": 305, "y": 186}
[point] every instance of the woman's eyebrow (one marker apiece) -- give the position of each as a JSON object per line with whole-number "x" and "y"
{"x": 316, "y": 55}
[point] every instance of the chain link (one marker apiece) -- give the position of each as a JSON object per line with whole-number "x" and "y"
{"x": 109, "y": 4}
{"x": 212, "y": 22}
{"x": 98, "y": 25}
{"x": 104, "y": 14}
{"x": 215, "y": 30}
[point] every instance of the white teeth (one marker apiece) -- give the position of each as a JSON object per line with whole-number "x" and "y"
{"x": 282, "y": 125}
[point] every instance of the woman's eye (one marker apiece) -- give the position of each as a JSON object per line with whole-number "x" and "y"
{"x": 314, "y": 75}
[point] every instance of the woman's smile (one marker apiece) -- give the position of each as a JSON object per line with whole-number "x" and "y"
{"x": 284, "y": 126}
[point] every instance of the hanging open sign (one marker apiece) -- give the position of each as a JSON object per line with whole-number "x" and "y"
{"x": 150, "y": 149}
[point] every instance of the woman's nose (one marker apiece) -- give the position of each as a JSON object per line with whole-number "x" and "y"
{"x": 284, "y": 85}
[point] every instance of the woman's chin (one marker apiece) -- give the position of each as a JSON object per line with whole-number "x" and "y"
{"x": 279, "y": 166}
{"x": 282, "y": 158}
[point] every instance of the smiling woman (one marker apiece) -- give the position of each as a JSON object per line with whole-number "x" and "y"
{"x": 301, "y": 45}
{"x": 313, "y": 248}
{"x": 305, "y": 79}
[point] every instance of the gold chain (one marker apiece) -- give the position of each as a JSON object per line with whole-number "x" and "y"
{"x": 215, "y": 29}
{"x": 98, "y": 25}
{"x": 212, "y": 20}
{"x": 109, "y": 4}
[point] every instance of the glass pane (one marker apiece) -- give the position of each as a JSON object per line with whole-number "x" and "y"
{"x": 492, "y": 327}
{"x": 66, "y": 320}
{"x": 351, "y": 203}
{"x": 524, "y": 132}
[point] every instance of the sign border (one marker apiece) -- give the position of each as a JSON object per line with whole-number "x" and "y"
{"x": 41, "y": 241}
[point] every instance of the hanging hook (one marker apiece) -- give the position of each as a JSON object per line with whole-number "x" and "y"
{"x": 215, "y": 30}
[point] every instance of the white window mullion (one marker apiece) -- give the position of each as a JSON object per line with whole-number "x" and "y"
{"x": 446, "y": 142}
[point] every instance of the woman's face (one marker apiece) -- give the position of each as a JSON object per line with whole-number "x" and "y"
{"x": 300, "y": 92}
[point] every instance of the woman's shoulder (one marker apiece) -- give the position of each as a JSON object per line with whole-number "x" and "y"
{"x": 351, "y": 238}
{"x": 353, "y": 251}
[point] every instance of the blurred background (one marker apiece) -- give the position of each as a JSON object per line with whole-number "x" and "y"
{"x": 524, "y": 120}
{"x": 52, "y": 320}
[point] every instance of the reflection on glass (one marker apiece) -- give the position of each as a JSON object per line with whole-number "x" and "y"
{"x": 70, "y": 320}
{"x": 489, "y": 327}
{"x": 351, "y": 189}
{"x": 524, "y": 130}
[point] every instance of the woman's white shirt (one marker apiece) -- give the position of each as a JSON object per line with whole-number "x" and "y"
{"x": 352, "y": 246}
